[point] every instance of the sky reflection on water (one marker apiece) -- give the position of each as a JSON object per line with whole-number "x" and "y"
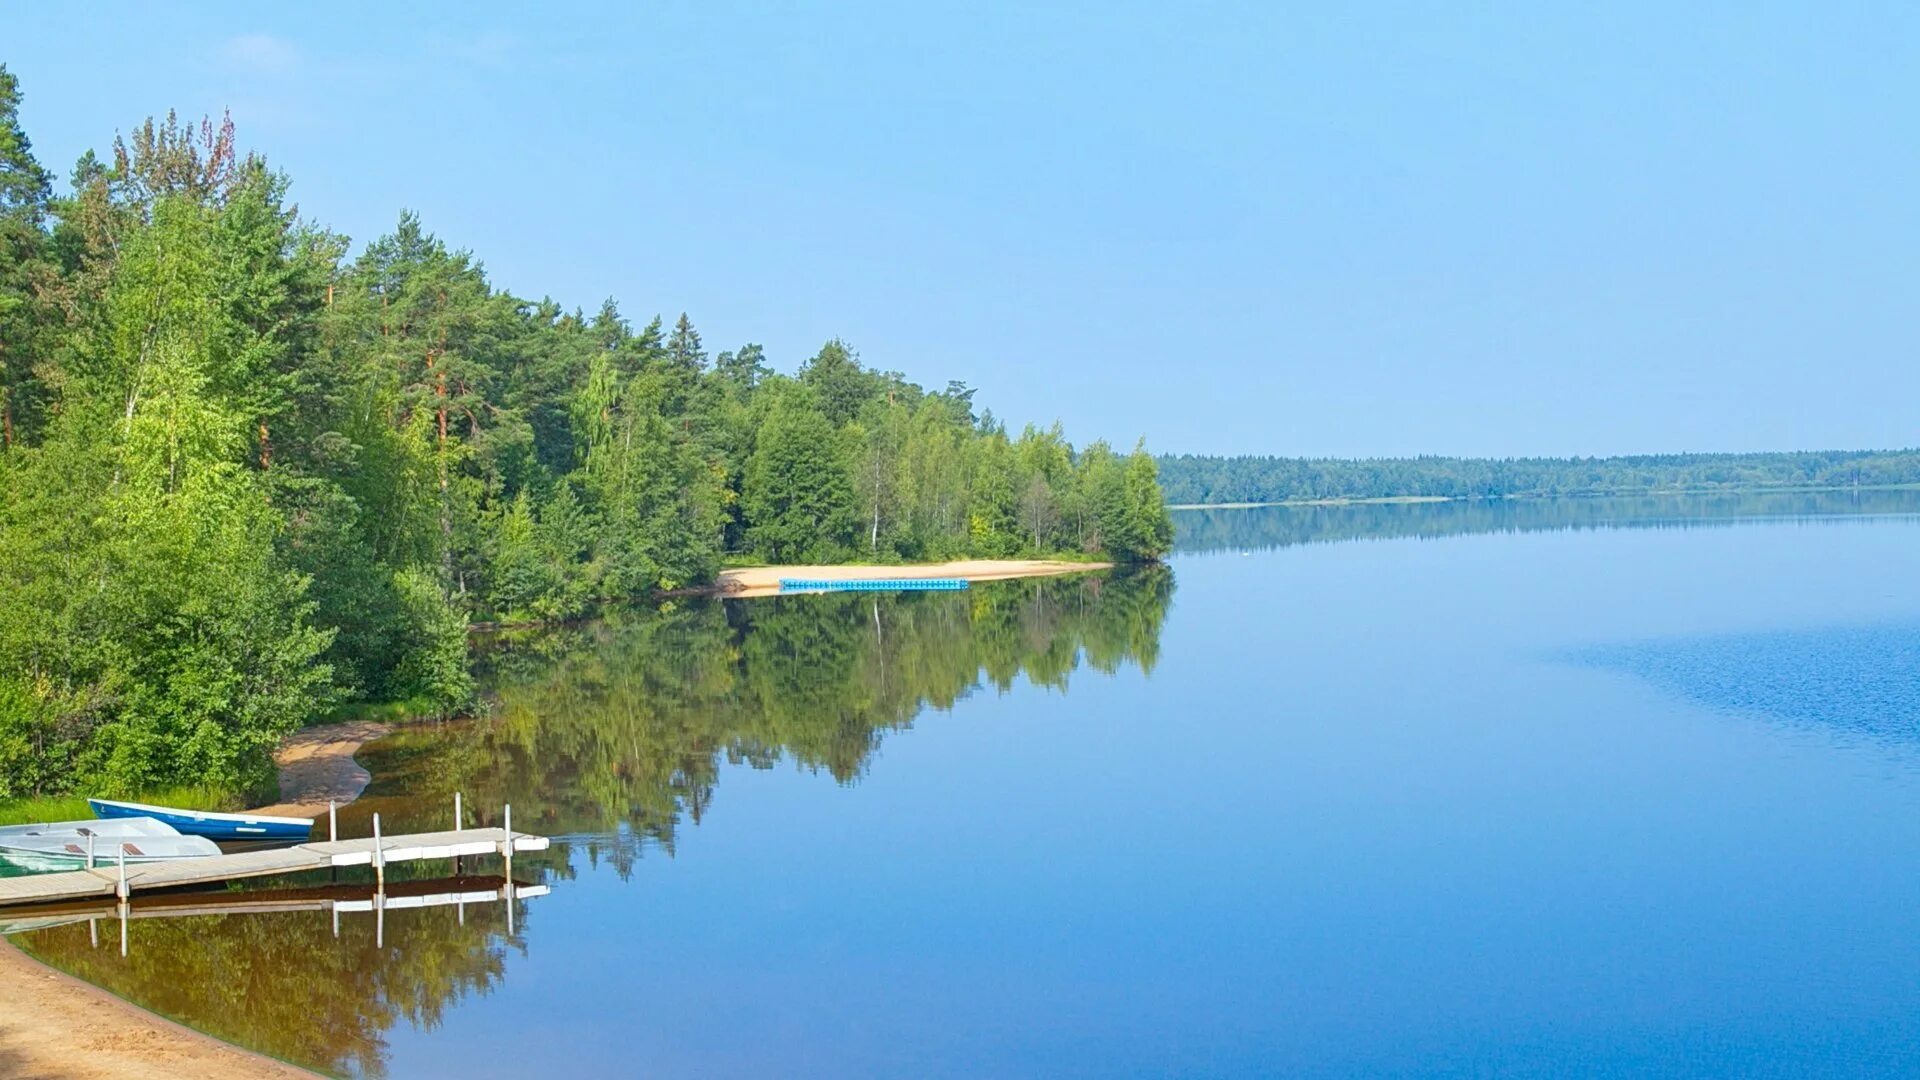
{"x": 1454, "y": 803}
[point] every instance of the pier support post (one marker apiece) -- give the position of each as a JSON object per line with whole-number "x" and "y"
{"x": 333, "y": 822}
{"x": 89, "y": 849}
{"x": 506, "y": 857}
{"x": 379, "y": 859}
{"x": 122, "y": 892}
{"x": 456, "y": 828}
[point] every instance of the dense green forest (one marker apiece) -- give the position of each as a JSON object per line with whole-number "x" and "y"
{"x": 246, "y": 474}
{"x": 1191, "y": 479}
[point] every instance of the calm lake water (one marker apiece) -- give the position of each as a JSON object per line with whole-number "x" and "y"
{"x": 1578, "y": 788}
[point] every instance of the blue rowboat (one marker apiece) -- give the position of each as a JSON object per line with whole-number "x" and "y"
{"x": 207, "y": 823}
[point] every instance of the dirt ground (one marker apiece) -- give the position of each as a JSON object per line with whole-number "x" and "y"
{"x": 55, "y": 1027}
{"x": 765, "y": 580}
{"x": 317, "y": 765}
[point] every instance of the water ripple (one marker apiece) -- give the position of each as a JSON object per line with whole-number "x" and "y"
{"x": 1857, "y": 681}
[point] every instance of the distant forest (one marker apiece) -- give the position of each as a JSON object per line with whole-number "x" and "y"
{"x": 1190, "y": 479}
{"x": 245, "y": 474}
{"x": 1205, "y": 530}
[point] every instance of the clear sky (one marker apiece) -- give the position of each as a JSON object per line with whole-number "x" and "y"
{"x": 1277, "y": 228}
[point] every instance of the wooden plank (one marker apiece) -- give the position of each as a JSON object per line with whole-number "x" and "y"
{"x": 101, "y": 881}
{"x": 39, "y": 887}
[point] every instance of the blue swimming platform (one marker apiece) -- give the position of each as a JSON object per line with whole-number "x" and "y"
{"x": 938, "y": 584}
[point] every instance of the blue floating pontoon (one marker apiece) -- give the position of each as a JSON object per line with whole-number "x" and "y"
{"x": 208, "y": 824}
{"x": 938, "y": 584}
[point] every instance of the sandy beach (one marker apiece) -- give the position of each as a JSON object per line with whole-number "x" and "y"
{"x": 56, "y": 1027}
{"x": 316, "y": 765}
{"x": 765, "y": 580}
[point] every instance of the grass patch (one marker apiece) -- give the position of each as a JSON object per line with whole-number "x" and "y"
{"x": 381, "y": 712}
{"x": 33, "y": 811}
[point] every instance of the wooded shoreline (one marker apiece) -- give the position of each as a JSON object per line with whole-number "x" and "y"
{"x": 1536, "y": 496}
{"x": 253, "y": 473}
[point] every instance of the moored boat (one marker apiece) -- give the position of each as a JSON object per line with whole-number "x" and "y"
{"x": 101, "y": 830}
{"x": 207, "y": 823}
{"x": 66, "y": 845}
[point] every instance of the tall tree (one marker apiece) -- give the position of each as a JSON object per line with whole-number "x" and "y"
{"x": 838, "y": 381}
{"x": 27, "y": 322}
{"x": 798, "y": 493}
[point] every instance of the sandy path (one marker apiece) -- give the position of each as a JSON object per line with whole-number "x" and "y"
{"x": 765, "y": 580}
{"x": 56, "y": 1027}
{"x": 317, "y": 765}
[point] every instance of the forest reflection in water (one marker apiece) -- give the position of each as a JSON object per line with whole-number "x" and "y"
{"x": 314, "y": 989}
{"x": 1266, "y": 528}
{"x": 615, "y": 734}
{"x": 610, "y": 737}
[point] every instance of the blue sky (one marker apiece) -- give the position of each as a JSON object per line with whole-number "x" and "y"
{"x": 1514, "y": 229}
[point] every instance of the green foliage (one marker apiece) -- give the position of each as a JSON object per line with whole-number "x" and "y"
{"x": 434, "y": 667}
{"x": 1191, "y": 479}
{"x": 799, "y": 491}
{"x": 244, "y": 478}
{"x": 28, "y": 323}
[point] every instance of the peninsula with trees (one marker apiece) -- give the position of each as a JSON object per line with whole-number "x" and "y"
{"x": 247, "y": 474}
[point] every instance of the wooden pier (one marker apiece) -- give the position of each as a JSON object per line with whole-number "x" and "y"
{"x": 459, "y": 892}
{"x": 119, "y": 881}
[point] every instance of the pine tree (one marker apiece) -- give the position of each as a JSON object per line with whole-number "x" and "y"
{"x": 26, "y": 322}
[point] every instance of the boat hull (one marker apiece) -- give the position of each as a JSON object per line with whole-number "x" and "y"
{"x": 207, "y": 823}
{"x": 101, "y": 830}
{"x": 69, "y": 851}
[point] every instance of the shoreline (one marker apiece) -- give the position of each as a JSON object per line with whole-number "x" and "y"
{"x": 757, "y": 581}
{"x": 56, "y": 1027}
{"x": 317, "y": 765}
{"x": 44, "y": 1007}
{"x": 754, "y": 582}
{"x": 1543, "y": 496}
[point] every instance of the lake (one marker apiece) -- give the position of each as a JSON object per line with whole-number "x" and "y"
{"x": 1586, "y": 787}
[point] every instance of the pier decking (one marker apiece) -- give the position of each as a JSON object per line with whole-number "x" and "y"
{"x": 107, "y": 879}
{"x": 792, "y": 585}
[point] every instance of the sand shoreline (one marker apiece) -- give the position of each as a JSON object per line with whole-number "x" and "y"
{"x": 316, "y": 765}
{"x": 56, "y": 1027}
{"x": 765, "y": 580}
